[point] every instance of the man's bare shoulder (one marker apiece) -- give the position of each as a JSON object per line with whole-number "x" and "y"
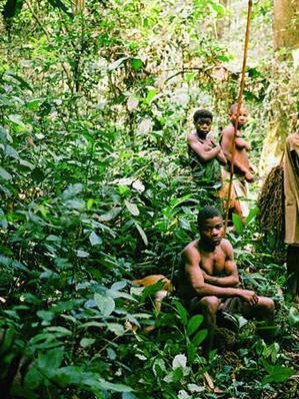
{"x": 226, "y": 247}
{"x": 191, "y": 251}
{"x": 191, "y": 137}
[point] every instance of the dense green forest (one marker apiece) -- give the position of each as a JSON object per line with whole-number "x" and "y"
{"x": 96, "y": 190}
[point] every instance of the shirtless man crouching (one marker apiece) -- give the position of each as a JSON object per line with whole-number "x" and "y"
{"x": 210, "y": 276}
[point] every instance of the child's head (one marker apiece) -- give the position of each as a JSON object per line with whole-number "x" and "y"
{"x": 243, "y": 114}
{"x": 203, "y": 121}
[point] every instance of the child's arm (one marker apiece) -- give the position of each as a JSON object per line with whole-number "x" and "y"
{"x": 205, "y": 153}
{"x": 221, "y": 157}
{"x": 241, "y": 143}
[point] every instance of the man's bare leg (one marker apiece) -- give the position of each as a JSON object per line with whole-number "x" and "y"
{"x": 208, "y": 306}
{"x": 263, "y": 310}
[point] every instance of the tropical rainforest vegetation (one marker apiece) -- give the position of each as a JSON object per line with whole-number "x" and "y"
{"x": 96, "y": 190}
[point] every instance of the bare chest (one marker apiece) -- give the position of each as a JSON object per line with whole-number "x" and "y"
{"x": 213, "y": 263}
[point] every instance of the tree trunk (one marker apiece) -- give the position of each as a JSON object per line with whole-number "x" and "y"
{"x": 220, "y": 23}
{"x": 286, "y": 24}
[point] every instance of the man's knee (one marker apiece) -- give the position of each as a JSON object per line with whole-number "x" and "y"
{"x": 210, "y": 304}
{"x": 267, "y": 306}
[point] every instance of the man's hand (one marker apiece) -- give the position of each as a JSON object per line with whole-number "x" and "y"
{"x": 206, "y": 276}
{"x": 249, "y": 296}
{"x": 247, "y": 146}
{"x": 213, "y": 141}
{"x": 211, "y": 145}
{"x": 249, "y": 176}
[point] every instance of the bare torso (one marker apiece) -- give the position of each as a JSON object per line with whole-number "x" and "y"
{"x": 213, "y": 263}
{"x": 207, "y": 142}
{"x": 241, "y": 155}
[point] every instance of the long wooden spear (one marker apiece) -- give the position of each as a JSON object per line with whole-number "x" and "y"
{"x": 240, "y": 97}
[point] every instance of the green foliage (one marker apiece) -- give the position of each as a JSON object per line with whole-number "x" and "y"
{"x": 96, "y": 190}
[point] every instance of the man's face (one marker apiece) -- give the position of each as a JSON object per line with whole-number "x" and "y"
{"x": 212, "y": 231}
{"x": 203, "y": 125}
{"x": 243, "y": 116}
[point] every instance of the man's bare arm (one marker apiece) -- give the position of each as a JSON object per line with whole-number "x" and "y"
{"x": 230, "y": 268}
{"x": 196, "y": 279}
{"x": 231, "y": 280}
{"x": 204, "y": 153}
{"x": 221, "y": 157}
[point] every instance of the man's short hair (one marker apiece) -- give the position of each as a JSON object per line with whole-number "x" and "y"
{"x": 202, "y": 113}
{"x": 208, "y": 212}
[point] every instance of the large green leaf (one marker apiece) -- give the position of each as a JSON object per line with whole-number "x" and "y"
{"x": 112, "y": 214}
{"x": 4, "y": 174}
{"x": 238, "y": 224}
{"x": 199, "y": 337}
{"x": 115, "y": 387}
{"x": 12, "y": 263}
{"x": 106, "y": 304}
{"x": 182, "y": 312}
{"x": 116, "y": 328}
{"x": 33, "y": 378}
{"x": 132, "y": 208}
{"x": 194, "y": 323}
{"x": 142, "y": 233}
{"x": 72, "y": 191}
{"x": 86, "y": 342}
{"x": 276, "y": 373}
{"x": 11, "y": 152}
{"x": 50, "y": 360}
{"x": 95, "y": 239}
{"x": 293, "y": 316}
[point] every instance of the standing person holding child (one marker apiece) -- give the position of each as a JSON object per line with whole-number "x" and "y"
{"x": 205, "y": 155}
{"x": 243, "y": 169}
